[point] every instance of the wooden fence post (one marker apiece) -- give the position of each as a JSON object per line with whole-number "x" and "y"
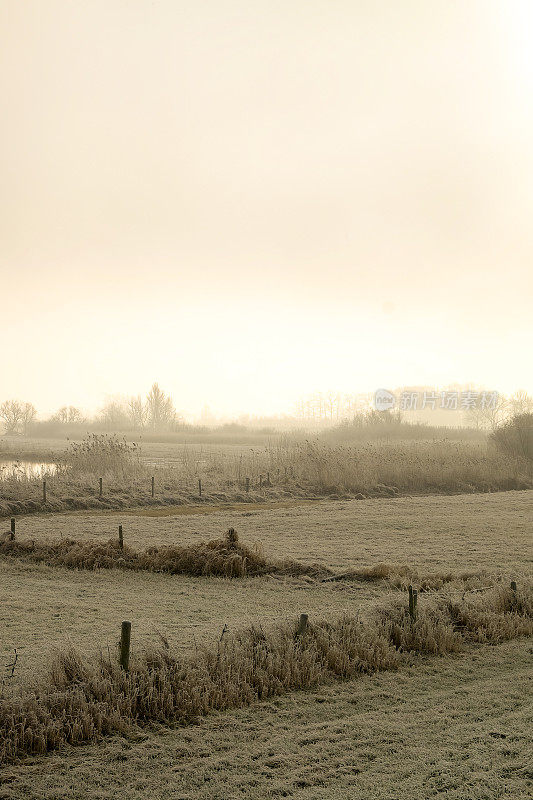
{"x": 260, "y": 481}
{"x": 199, "y": 487}
{"x": 514, "y": 586}
{"x": 247, "y": 484}
{"x": 268, "y": 479}
{"x": 153, "y": 486}
{"x": 120, "y": 538}
{"x": 125, "y": 639}
{"x": 44, "y": 491}
{"x": 413, "y": 597}
{"x": 100, "y": 487}
{"x": 302, "y": 625}
{"x": 12, "y": 534}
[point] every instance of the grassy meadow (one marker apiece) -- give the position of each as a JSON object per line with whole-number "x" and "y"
{"x": 333, "y": 531}
{"x": 45, "y": 607}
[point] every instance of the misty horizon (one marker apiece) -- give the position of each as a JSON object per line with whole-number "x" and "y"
{"x": 249, "y": 205}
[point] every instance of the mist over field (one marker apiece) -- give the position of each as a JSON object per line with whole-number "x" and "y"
{"x": 266, "y": 399}
{"x": 250, "y": 203}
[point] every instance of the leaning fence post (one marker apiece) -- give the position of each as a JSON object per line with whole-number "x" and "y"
{"x": 12, "y": 534}
{"x": 120, "y": 538}
{"x": 199, "y": 487}
{"x": 100, "y": 486}
{"x": 44, "y": 491}
{"x": 153, "y": 486}
{"x": 125, "y": 638}
{"x": 302, "y": 625}
{"x": 413, "y": 596}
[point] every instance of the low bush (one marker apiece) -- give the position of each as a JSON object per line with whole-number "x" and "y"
{"x": 515, "y": 437}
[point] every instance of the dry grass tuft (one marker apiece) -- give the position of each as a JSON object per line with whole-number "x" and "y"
{"x": 497, "y": 615}
{"x": 431, "y": 632}
{"x": 223, "y": 557}
{"x": 400, "y": 576}
{"x": 84, "y": 700}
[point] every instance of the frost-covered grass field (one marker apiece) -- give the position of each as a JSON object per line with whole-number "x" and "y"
{"x": 458, "y": 726}
{"x": 43, "y": 607}
{"x": 422, "y": 729}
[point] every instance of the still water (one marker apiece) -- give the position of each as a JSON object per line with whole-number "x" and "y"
{"x": 26, "y": 469}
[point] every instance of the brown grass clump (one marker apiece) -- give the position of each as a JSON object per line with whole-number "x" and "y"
{"x": 384, "y": 469}
{"x": 222, "y": 557}
{"x": 431, "y": 632}
{"x": 400, "y": 576}
{"x": 84, "y": 700}
{"x": 499, "y": 614}
{"x": 225, "y": 557}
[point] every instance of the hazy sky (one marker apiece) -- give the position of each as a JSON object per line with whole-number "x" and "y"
{"x": 249, "y": 201}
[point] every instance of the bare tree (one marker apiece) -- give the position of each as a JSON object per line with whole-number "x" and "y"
{"x": 11, "y": 413}
{"x": 137, "y": 412}
{"x": 521, "y": 402}
{"x": 68, "y": 415}
{"x": 488, "y": 416}
{"x": 160, "y": 408}
{"x": 28, "y": 414}
{"x": 114, "y": 415}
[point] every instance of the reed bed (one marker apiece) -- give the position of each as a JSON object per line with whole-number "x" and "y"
{"x": 82, "y": 700}
{"x": 285, "y": 468}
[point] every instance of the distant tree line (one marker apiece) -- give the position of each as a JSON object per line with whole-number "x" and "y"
{"x": 332, "y": 406}
{"x": 154, "y": 412}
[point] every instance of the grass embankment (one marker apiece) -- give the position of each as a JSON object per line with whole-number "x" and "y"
{"x": 83, "y": 700}
{"x": 226, "y": 557}
{"x": 223, "y": 557}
